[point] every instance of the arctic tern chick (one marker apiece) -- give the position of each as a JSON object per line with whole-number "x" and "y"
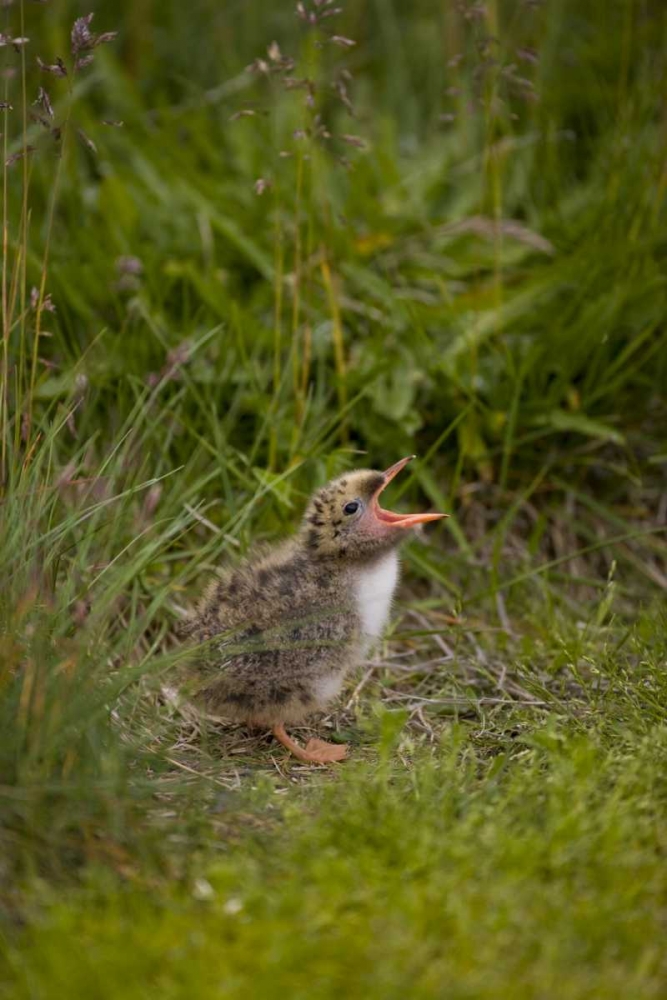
{"x": 285, "y": 627}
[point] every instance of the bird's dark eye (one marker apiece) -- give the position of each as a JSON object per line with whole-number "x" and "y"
{"x": 352, "y": 507}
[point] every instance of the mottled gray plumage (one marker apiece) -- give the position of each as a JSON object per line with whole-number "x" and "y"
{"x": 286, "y": 621}
{"x": 284, "y": 628}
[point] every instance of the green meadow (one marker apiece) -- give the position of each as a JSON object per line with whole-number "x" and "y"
{"x": 249, "y": 246}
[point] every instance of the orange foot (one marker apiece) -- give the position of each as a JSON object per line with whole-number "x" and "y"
{"x": 315, "y": 752}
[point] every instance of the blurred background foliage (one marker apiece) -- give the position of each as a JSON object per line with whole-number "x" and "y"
{"x": 472, "y": 262}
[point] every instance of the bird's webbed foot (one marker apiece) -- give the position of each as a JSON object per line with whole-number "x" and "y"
{"x": 315, "y": 752}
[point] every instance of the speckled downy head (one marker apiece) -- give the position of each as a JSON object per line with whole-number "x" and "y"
{"x": 344, "y": 519}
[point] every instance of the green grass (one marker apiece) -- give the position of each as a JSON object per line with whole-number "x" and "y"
{"x": 486, "y": 290}
{"x": 533, "y": 868}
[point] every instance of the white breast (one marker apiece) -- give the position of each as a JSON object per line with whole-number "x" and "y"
{"x": 374, "y": 588}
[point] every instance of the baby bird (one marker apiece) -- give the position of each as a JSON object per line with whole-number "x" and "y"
{"x": 285, "y": 627}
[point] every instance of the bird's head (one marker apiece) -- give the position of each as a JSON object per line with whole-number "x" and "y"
{"x": 344, "y": 519}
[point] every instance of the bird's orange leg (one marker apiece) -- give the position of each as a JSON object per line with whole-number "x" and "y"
{"x": 315, "y": 752}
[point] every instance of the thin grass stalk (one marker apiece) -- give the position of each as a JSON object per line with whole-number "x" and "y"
{"x": 492, "y": 155}
{"x": 4, "y": 379}
{"x": 278, "y": 279}
{"x": 9, "y": 296}
{"x": 306, "y": 357}
{"x": 307, "y": 339}
{"x": 55, "y": 192}
{"x": 338, "y": 340}
{"x": 296, "y": 290}
{"x": 21, "y": 264}
{"x": 312, "y": 71}
{"x": 278, "y": 283}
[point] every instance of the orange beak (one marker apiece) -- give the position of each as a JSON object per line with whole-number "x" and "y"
{"x": 399, "y": 520}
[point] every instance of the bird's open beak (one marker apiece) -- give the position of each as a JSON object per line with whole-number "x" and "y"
{"x": 399, "y": 520}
